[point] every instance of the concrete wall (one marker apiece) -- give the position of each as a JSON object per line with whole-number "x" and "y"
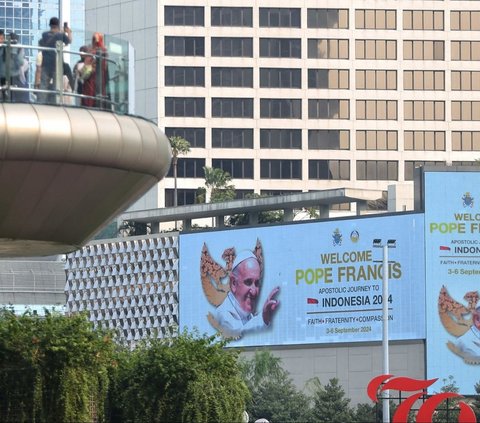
{"x": 354, "y": 365}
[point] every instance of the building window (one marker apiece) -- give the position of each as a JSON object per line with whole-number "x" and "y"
{"x": 377, "y": 170}
{"x": 376, "y": 49}
{"x": 341, "y": 207}
{"x": 232, "y": 77}
{"x": 424, "y": 20}
{"x": 195, "y": 136}
{"x": 423, "y": 50}
{"x": 333, "y": 79}
{"x": 232, "y": 107}
{"x": 241, "y": 194}
{"x": 231, "y": 16}
{"x": 375, "y": 19}
{"x": 328, "y": 139}
{"x": 328, "y": 109}
{"x": 275, "y": 192}
{"x": 377, "y": 140}
{"x": 327, "y": 18}
{"x": 280, "y": 169}
{"x": 185, "y": 106}
{"x": 465, "y": 80}
{"x": 376, "y": 109}
{"x": 237, "y": 168}
{"x": 327, "y": 48}
{"x": 329, "y": 169}
{"x": 465, "y": 20}
{"x": 184, "y": 197}
{"x": 465, "y": 140}
{"x": 232, "y": 47}
{"x": 184, "y": 46}
{"x": 184, "y": 76}
{"x": 424, "y": 140}
{"x": 281, "y": 47}
{"x": 465, "y": 110}
{"x": 411, "y": 165}
{"x": 232, "y": 138}
{"x": 288, "y": 139}
{"x": 279, "y": 17}
{"x": 424, "y": 110}
{"x": 184, "y": 16}
{"x": 366, "y": 79}
{"x": 465, "y": 50}
{"x": 464, "y": 163}
{"x": 424, "y": 80}
{"x": 281, "y": 108}
{"x": 188, "y": 168}
{"x": 280, "y": 78}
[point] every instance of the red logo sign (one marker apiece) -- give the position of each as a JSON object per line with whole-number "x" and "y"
{"x": 425, "y": 412}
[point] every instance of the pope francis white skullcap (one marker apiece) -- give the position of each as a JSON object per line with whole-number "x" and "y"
{"x": 242, "y": 256}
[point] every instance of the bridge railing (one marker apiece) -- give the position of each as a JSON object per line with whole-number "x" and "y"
{"x": 108, "y": 81}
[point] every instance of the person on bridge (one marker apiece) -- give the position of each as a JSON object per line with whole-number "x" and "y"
{"x": 95, "y": 63}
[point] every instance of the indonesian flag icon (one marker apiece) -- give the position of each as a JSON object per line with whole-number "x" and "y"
{"x": 444, "y": 248}
{"x": 312, "y": 301}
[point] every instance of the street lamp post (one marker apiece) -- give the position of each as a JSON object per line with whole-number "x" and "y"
{"x": 391, "y": 243}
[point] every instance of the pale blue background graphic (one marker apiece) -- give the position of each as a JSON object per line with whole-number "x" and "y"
{"x": 444, "y": 194}
{"x": 287, "y": 248}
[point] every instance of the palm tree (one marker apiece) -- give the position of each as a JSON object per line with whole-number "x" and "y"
{"x": 217, "y": 181}
{"x": 180, "y": 146}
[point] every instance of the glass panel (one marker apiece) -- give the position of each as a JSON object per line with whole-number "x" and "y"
{"x": 407, "y": 19}
{"x": 360, "y": 49}
{"x": 343, "y": 18}
{"x": 454, "y": 21}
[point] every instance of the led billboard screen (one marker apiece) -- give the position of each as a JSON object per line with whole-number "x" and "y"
{"x": 452, "y": 244}
{"x": 305, "y": 283}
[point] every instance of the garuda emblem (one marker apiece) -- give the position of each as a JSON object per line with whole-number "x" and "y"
{"x": 457, "y": 319}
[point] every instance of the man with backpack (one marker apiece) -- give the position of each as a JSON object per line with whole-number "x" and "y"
{"x": 48, "y": 68}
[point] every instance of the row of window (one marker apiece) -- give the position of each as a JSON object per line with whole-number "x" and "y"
{"x": 275, "y": 17}
{"x": 333, "y": 169}
{"x": 329, "y": 139}
{"x": 365, "y": 79}
{"x": 322, "y": 48}
{"x": 322, "y": 109}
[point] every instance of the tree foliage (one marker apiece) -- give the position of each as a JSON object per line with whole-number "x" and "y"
{"x": 329, "y": 402}
{"x": 274, "y": 395}
{"x": 448, "y": 410}
{"x": 59, "y": 369}
{"x": 218, "y": 184}
{"x": 180, "y": 147}
{"x": 134, "y": 228}
{"x": 56, "y": 368}
{"x": 476, "y": 402}
{"x": 186, "y": 379}
{"x": 53, "y": 368}
{"x": 365, "y": 413}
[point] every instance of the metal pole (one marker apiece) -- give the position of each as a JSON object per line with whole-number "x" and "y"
{"x": 386, "y": 367}
{"x": 59, "y": 72}
{"x": 7, "y": 94}
{"x": 99, "y": 78}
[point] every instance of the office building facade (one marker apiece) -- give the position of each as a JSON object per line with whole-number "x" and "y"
{"x": 303, "y": 97}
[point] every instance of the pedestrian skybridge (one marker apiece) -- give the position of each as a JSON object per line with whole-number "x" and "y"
{"x": 70, "y": 161}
